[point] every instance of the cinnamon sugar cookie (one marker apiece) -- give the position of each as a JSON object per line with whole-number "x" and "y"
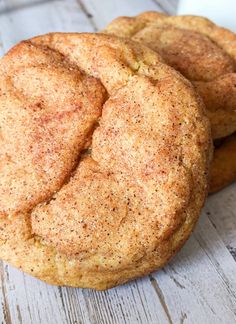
{"x": 121, "y": 209}
{"x": 205, "y": 54}
{"x": 202, "y": 51}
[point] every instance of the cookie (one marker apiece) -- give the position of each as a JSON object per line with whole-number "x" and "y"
{"x": 202, "y": 51}
{"x": 104, "y": 159}
{"x": 205, "y": 54}
{"x": 223, "y": 168}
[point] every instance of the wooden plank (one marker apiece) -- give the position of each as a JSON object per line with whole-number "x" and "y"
{"x": 27, "y": 300}
{"x": 39, "y": 19}
{"x": 7, "y": 6}
{"x": 103, "y": 14}
{"x": 221, "y": 210}
{"x": 198, "y": 285}
{"x": 168, "y": 6}
{"x": 132, "y": 303}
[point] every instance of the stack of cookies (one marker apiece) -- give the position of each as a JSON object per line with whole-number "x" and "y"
{"x": 106, "y": 148}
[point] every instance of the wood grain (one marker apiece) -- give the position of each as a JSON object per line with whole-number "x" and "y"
{"x": 197, "y": 286}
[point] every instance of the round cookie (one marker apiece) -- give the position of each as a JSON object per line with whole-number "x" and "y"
{"x": 101, "y": 216}
{"x": 202, "y": 51}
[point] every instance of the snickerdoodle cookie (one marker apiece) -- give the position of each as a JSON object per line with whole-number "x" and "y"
{"x": 103, "y": 159}
{"x": 205, "y": 54}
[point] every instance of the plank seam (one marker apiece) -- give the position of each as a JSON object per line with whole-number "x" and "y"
{"x": 88, "y": 14}
{"x": 160, "y": 7}
{"x": 6, "y": 309}
{"x": 161, "y": 298}
{"x": 169, "y": 8}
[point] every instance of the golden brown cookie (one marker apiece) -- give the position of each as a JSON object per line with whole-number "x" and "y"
{"x": 223, "y": 168}
{"x": 202, "y": 51}
{"x": 120, "y": 210}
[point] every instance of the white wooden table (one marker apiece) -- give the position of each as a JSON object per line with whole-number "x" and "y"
{"x": 197, "y": 286}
